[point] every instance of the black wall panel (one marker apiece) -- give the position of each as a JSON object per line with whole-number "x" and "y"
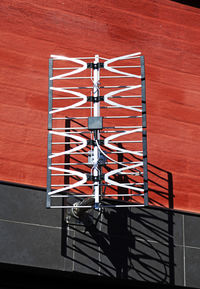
{"x": 154, "y": 245}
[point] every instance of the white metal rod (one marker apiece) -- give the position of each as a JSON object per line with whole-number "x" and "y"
{"x": 88, "y": 87}
{"x": 72, "y": 195}
{"x": 131, "y": 184}
{"x": 83, "y": 107}
{"x": 124, "y": 66}
{"x": 86, "y": 153}
{"x": 59, "y": 98}
{"x": 106, "y": 127}
{"x": 126, "y": 141}
{"x": 110, "y": 106}
{"x": 105, "y": 131}
{"x": 116, "y": 96}
{"x": 66, "y": 128}
{"x": 103, "y": 58}
{"x": 67, "y": 185}
{"x": 86, "y": 117}
{"x": 64, "y": 68}
{"x": 61, "y": 174}
{"x": 126, "y": 96}
{"x": 86, "y": 196}
{"x": 61, "y": 58}
{"x": 115, "y": 86}
{"x": 121, "y": 76}
{"x": 75, "y": 87}
{"x": 59, "y": 143}
{"x": 123, "y": 116}
{"x": 122, "y": 195}
{"x": 76, "y": 153}
{"x": 88, "y": 107}
{"x": 96, "y": 113}
{"x": 120, "y": 173}
{"x": 71, "y": 118}
{"x": 132, "y": 174}
{"x": 85, "y": 57}
{"x": 102, "y": 206}
{"x": 121, "y": 206}
{"x": 91, "y": 185}
{"x": 77, "y": 77}
{"x": 106, "y": 76}
{"x": 69, "y": 207}
{"x": 74, "y": 164}
{"x": 123, "y": 126}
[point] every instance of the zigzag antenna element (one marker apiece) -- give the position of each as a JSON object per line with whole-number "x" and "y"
{"x": 97, "y": 139}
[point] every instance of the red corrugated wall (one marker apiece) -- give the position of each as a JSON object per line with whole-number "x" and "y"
{"x": 168, "y": 35}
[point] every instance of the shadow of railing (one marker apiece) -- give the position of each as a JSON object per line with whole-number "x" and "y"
{"x": 127, "y": 243}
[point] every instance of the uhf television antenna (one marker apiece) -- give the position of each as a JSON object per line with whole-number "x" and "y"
{"x": 97, "y": 146}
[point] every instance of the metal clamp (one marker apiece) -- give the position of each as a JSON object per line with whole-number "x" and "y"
{"x": 95, "y": 65}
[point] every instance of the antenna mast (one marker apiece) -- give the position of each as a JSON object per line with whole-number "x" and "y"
{"x": 97, "y": 143}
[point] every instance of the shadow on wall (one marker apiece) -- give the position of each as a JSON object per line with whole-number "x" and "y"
{"x": 126, "y": 243}
{"x": 193, "y": 3}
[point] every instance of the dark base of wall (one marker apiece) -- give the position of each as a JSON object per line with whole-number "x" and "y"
{"x": 136, "y": 246}
{"x": 14, "y": 276}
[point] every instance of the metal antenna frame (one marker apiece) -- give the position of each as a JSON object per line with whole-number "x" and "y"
{"x": 77, "y": 135}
